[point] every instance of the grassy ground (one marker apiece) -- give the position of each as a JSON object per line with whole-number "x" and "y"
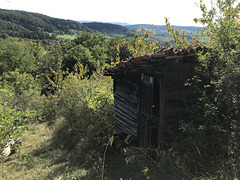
{"x": 67, "y": 36}
{"x": 38, "y": 159}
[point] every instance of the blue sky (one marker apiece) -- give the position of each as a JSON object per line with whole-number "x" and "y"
{"x": 180, "y": 12}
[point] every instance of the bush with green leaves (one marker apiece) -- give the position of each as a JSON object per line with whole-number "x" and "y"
{"x": 20, "y": 103}
{"x": 25, "y": 88}
{"x": 12, "y": 121}
{"x": 211, "y": 134}
{"x": 19, "y": 54}
{"x": 84, "y": 108}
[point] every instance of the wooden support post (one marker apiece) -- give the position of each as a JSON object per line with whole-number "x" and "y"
{"x": 161, "y": 113}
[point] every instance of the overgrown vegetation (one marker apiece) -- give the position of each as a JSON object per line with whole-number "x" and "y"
{"x": 61, "y": 85}
{"x": 57, "y": 92}
{"x": 211, "y": 134}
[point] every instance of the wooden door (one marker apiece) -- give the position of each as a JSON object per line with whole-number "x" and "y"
{"x": 149, "y": 110}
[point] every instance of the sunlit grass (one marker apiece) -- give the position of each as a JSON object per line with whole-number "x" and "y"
{"x": 67, "y": 36}
{"x": 37, "y": 159}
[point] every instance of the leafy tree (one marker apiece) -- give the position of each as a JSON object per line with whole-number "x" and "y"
{"x": 84, "y": 39}
{"x": 137, "y": 46}
{"x": 25, "y": 88}
{"x": 222, "y": 67}
{"x": 99, "y": 53}
{"x": 181, "y": 41}
{"x": 17, "y": 54}
{"x": 78, "y": 54}
{"x": 87, "y": 49}
{"x": 215, "y": 122}
{"x": 118, "y": 49}
{"x": 51, "y": 56}
{"x": 35, "y": 58}
{"x": 89, "y": 40}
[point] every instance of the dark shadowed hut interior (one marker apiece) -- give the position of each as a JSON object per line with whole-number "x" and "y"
{"x": 151, "y": 96}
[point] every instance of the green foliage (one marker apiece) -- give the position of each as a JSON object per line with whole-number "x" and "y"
{"x": 20, "y": 95}
{"x": 78, "y": 54}
{"x": 181, "y": 41}
{"x": 18, "y": 82}
{"x": 95, "y": 50}
{"x": 26, "y": 90}
{"x": 15, "y": 53}
{"x": 12, "y": 121}
{"x": 221, "y": 25}
{"x": 89, "y": 40}
{"x": 213, "y": 127}
{"x": 145, "y": 172}
{"x": 161, "y": 34}
{"x": 35, "y": 26}
{"x": 137, "y": 46}
{"x": 119, "y": 50}
{"x": 89, "y": 50}
{"x": 85, "y": 107}
{"x": 107, "y": 28}
{"x": 141, "y": 46}
{"x": 49, "y": 61}
{"x": 35, "y": 58}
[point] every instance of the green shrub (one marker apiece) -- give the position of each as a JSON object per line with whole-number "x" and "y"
{"x": 12, "y": 121}
{"x": 210, "y": 136}
{"x": 26, "y": 92}
{"x": 85, "y": 111}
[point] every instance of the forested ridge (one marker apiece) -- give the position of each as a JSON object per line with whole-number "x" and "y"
{"x": 55, "y": 99}
{"x": 36, "y": 26}
{"x": 108, "y": 28}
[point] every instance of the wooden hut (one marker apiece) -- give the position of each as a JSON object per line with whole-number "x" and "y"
{"x": 150, "y": 93}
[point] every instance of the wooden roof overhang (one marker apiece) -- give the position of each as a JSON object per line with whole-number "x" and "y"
{"x": 163, "y": 56}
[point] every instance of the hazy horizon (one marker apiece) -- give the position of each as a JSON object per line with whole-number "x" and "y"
{"x": 181, "y": 13}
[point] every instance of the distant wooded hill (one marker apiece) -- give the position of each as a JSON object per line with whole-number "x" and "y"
{"x": 192, "y": 29}
{"x": 37, "y": 26}
{"x": 161, "y": 33}
{"x": 108, "y": 28}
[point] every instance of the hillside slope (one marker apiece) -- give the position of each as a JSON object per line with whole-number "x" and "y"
{"x": 35, "y": 26}
{"x": 108, "y": 28}
{"x": 162, "y": 28}
{"x": 161, "y": 34}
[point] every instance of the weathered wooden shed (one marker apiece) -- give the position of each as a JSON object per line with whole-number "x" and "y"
{"x": 151, "y": 96}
